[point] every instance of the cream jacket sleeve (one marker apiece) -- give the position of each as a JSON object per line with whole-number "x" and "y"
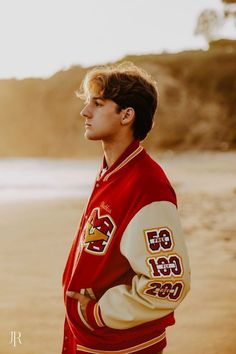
{"x": 153, "y": 244}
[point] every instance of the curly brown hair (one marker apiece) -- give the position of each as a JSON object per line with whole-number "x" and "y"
{"x": 128, "y": 86}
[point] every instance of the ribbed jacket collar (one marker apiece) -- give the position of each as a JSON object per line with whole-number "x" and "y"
{"x": 132, "y": 150}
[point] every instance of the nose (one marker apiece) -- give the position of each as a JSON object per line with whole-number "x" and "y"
{"x": 85, "y": 113}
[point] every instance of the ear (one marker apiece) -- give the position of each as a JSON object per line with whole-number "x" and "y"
{"x": 127, "y": 116}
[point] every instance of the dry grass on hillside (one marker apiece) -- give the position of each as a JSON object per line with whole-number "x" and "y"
{"x": 196, "y": 111}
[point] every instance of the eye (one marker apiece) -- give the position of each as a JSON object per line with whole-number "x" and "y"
{"x": 98, "y": 103}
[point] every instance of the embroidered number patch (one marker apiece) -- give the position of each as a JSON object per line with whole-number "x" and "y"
{"x": 159, "y": 239}
{"x": 165, "y": 266}
{"x": 169, "y": 290}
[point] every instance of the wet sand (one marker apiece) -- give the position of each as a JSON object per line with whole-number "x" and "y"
{"x": 36, "y": 237}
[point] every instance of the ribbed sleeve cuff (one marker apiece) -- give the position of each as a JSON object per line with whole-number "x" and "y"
{"x": 94, "y": 316}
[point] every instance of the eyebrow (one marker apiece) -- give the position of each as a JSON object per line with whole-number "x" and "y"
{"x": 94, "y": 98}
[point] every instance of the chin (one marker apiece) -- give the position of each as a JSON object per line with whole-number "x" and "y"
{"x": 91, "y": 137}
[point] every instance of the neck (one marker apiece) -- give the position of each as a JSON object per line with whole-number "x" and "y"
{"x": 113, "y": 150}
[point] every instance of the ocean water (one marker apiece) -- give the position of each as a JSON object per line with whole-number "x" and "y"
{"x": 41, "y": 178}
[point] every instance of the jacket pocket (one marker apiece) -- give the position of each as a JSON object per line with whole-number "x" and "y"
{"x": 82, "y": 317}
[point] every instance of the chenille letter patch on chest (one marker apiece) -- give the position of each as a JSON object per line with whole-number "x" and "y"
{"x": 98, "y": 232}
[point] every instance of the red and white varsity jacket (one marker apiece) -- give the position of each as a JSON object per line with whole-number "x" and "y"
{"x": 129, "y": 257}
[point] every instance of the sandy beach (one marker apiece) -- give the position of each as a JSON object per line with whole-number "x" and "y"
{"x": 36, "y": 237}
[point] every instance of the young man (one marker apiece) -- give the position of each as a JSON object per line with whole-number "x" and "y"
{"x": 128, "y": 267}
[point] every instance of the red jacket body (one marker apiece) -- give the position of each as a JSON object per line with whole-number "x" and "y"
{"x": 128, "y": 258}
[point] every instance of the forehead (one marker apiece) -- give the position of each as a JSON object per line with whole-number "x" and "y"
{"x": 93, "y": 97}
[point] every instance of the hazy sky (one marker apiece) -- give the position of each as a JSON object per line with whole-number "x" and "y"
{"x": 40, "y": 37}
